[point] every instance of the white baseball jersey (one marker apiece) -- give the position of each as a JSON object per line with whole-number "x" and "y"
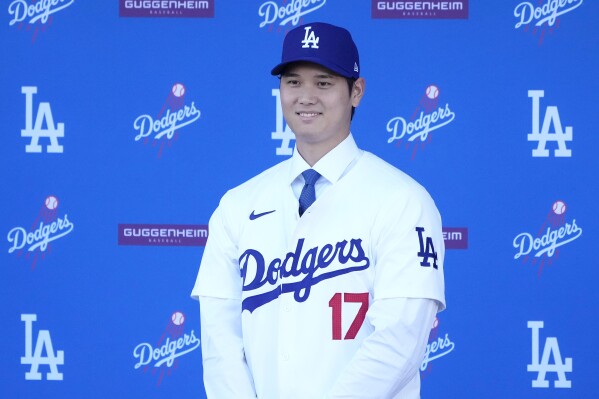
{"x": 306, "y": 282}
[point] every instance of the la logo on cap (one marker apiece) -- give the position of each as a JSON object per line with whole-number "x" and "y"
{"x": 310, "y": 38}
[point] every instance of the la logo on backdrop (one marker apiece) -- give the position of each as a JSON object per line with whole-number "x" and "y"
{"x": 174, "y": 115}
{"x": 283, "y": 12}
{"x": 543, "y": 246}
{"x": 40, "y": 352}
{"x": 35, "y": 130}
{"x": 414, "y": 132}
{"x": 35, "y": 15}
{"x": 542, "y": 134}
{"x": 541, "y": 362}
{"x": 163, "y": 358}
{"x": 282, "y": 131}
{"x": 34, "y": 242}
{"x": 543, "y": 16}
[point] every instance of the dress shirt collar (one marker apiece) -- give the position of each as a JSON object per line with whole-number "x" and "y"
{"x": 331, "y": 166}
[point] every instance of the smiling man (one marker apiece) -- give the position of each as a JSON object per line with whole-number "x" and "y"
{"x": 322, "y": 276}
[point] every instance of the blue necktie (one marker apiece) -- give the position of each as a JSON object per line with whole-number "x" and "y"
{"x": 308, "y": 195}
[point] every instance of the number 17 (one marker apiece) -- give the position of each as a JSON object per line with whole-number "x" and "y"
{"x": 336, "y": 303}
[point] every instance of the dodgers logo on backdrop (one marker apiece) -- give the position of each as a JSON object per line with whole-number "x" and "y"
{"x": 35, "y": 13}
{"x": 543, "y": 16}
{"x": 162, "y": 8}
{"x": 42, "y": 354}
{"x": 288, "y": 11}
{"x": 47, "y": 227}
{"x": 163, "y": 234}
{"x": 282, "y": 131}
{"x": 415, "y": 132}
{"x": 36, "y": 131}
{"x": 555, "y": 232}
{"x": 437, "y": 347}
{"x": 173, "y": 116}
{"x": 417, "y": 9}
{"x": 541, "y": 363}
{"x": 542, "y": 135}
{"x": 173, "y": 343}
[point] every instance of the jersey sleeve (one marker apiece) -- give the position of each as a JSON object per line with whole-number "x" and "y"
{"x": 387, "y": 363}
{"x": 408, "y": 248}
{"x": 218, "y": 275}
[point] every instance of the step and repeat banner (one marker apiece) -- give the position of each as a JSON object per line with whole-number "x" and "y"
{"x": 125, "y": 121}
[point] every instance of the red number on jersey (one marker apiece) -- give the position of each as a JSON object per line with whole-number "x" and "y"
{"x": 336, "y": 303}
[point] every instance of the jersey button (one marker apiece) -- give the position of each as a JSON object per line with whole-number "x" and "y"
{"x": 286, "y": 356}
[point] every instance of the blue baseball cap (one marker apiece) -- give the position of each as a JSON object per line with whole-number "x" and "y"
{"x": 324, "y": 44}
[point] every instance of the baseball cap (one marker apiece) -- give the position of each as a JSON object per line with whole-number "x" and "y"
{"x": 324, "y": 44}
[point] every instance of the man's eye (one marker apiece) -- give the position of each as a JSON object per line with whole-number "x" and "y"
{"x": 324, "y": 84}
{"x": 293, "y": 82}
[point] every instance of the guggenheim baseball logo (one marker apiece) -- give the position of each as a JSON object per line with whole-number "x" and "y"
{"x": 543, "y": 16}
{"x": 174, "y": 342}
{"x": 35, "y": 13}
{"x": 555, "y": 232}
{"x": 172, "y": 117}
{"x": 415, "y": 131}
{"x": 286, "y": 11}
{"x": 47, "y": 227}
{"x": 416, "y": 9}
{"x": 163, "y": 234}
{"x": 455, "y": 237}
{"x": 167, "y": 8}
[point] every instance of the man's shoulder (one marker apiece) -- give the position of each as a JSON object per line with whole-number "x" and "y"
{"x": 386, "y": 176}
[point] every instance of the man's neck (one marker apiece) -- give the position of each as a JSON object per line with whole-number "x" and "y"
{"x": 312, "y": 153}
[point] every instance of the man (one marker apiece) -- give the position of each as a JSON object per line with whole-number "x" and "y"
{"x": 322, "y": 275}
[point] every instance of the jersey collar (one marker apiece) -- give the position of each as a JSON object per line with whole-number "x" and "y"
{"x": 332, "y": 166}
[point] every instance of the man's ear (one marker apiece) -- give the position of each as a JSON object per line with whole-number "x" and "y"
{"x": 358, "y": 91}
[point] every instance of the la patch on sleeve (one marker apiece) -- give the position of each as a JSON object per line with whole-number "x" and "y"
{"x": 427, "y": 249}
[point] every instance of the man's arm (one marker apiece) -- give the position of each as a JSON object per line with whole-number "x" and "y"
{"x": 391, "y": 356}
{"x": 226, "y": 373}
{"x": 218, "y": 288}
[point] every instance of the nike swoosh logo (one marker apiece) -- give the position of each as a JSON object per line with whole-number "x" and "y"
{"x": 257, "y": 215}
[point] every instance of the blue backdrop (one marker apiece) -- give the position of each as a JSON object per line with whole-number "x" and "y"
{"x": 124, "y": 122}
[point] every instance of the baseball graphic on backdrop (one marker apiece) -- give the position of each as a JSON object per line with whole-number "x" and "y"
{"x": 559, "y": 207}
{"x": 178, "y": 90}
{"x": 432, "y": 92}
{"x": 51, "y": 202}
{"x": 178, "y": 318}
